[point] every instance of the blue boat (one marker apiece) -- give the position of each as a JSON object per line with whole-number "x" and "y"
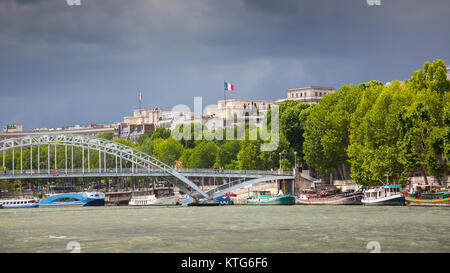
{"x": 74, "y": 199}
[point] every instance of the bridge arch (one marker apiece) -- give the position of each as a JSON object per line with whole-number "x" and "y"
{"x": 118, "y": 150}
{"x": 224, "y": 189}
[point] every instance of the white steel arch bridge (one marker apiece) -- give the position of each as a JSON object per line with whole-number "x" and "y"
{"x": 142, "y": 164}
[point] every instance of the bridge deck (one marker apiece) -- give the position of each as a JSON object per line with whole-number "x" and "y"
{"x": 34, "y": 174}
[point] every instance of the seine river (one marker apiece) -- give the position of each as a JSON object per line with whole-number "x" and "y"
{"x": 225, "y": 229}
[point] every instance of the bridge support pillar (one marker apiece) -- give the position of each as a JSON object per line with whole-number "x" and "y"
{"x": 286, "y": 186}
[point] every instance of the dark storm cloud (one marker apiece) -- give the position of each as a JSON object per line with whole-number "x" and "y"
{"x": 28, "y": 2}
{"x": 62, "y": 65}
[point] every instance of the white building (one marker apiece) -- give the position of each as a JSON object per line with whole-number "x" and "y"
{"x": 235, "y": 111}
{"x": 308, "y": 94}
{"x": 13, "y": 128}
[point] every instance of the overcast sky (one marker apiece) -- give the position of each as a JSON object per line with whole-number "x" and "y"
{"x": 62, "y": 65}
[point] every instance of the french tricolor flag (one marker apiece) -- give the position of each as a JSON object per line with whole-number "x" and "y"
{"x": 228, "y": 86}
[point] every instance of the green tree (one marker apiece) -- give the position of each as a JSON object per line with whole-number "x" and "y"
{"x": 249, "y": 155}
{"x": 203, "y": 155}
{"x": 227, "y": 153}
{"x": 167, "y": 150}
{"x": 161, "y": 132}
{"x": 144, "y": 137}
{"x": 185, "y": 157}
{"x": 291, "y": 126}
{"x": 432, "y": 77}
{"x": 375, "y": 148}
{"x": 106, "y": 135}
{"x": 327, "y": 129}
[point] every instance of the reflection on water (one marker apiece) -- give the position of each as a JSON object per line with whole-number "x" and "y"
{"x": 226, "y": 229}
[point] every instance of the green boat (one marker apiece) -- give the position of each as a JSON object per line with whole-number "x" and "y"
{"x": 266, "y": 198}
{"x": 441, "y": 198}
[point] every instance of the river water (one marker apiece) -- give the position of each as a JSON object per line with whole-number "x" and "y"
{"x": 226, "y": 229}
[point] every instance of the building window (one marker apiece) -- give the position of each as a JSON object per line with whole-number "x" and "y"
{"x": 315, "y": 94}
{"x": 320, "y": 94}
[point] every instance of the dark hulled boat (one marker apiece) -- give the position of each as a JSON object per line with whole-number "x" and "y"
{"x": 384, "y": 196}
{"x": 117, "y": 198}
{"x": 313, "y": 198}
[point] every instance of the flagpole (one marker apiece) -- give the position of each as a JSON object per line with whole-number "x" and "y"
{"x": 140, "y": 111}
{"x": 225, "y": 98}
{"x": 224, "y": 93}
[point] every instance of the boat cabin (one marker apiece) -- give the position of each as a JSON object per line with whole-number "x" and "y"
{"x": 94, "y": 195}
{"x": 382, "y": 192}
{"x": 261, "y": 194}
{"x": 19, "y": 203}
{"x": 117, "y": 198}
{"x": 430, "y": 195}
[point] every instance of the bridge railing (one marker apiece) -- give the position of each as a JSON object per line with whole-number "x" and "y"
{"x": 77, "y": 171}
{"x": 230, "y": 171}
{"x": 103, "y": 171}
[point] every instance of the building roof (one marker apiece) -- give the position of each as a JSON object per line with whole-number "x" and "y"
{"x": 311, "y": 87}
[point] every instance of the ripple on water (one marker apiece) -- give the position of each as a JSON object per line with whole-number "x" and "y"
{"x": 226, "y": 229}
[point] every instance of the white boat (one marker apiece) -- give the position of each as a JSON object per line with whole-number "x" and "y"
{"x": 152, "y": 200}
{"x": 19, "y": 203}
{"x": 386, "y": 195}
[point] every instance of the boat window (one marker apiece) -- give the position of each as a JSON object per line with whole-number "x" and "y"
{"x": 65, "y": 199}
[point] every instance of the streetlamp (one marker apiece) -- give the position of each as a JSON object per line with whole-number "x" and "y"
{"x": 280, "y": 161}
{"x": 295, "y": 160}
{"x": 387, "y": 179}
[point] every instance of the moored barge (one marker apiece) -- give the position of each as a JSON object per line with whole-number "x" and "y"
{"x": 266, "y": 198}
{"x": 117, "y": 198}
{"x": 351, "y": 198}
{"x": 427, "y": 197}
{"x": 384, "y": 196}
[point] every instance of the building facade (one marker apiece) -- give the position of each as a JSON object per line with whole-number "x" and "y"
{"x": 144, "y": 120}
{"x": 13, "y": 128}
{"x": 91, "y": 130}
{"x": 234, "y": 111}
{"x": 308, "y": 94}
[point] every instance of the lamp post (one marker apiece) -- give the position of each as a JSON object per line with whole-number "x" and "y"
{"x": 295, "y": 160}
{"x": 280, "y": 161}
{"x": 387, "y": 179}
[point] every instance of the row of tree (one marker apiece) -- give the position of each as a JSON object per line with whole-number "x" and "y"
{"x": 376, "y": 130}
